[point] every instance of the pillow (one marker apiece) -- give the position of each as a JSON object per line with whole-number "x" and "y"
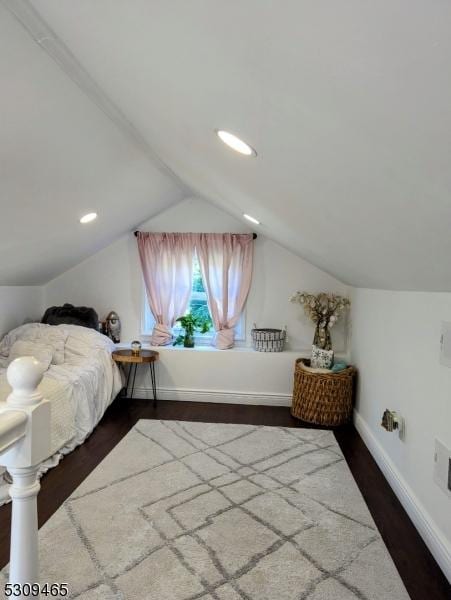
{"x": 321, "y": 359}
{"x": 71, "y": 315}
{"x": 41, "y": 352}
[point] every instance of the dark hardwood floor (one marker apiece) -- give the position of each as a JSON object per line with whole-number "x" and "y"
{"x": 421, "y": 575}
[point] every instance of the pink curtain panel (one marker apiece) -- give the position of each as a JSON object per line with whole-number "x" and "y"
{"x": 167, "y": 266}
{"x": 226, "y": 265}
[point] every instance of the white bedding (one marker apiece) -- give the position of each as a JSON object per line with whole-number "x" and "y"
{"x": 80, "y": 389}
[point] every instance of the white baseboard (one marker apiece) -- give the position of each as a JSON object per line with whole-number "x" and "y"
{"x": 432, "y": 536}
{"x": 218, "y": 396}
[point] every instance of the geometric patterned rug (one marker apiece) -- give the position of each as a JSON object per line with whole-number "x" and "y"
{"x": 187, "y": 511}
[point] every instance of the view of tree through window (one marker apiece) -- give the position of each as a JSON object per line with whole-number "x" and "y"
{"x": 198, "y": 305}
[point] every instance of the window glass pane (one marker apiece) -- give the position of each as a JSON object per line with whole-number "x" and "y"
{"x": 199, "y": 308}
{"x": 198, "y": 284}
{"x": 198, "y": 305}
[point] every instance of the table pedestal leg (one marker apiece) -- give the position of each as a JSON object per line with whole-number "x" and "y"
{"x": 134, "y": 377}
{"x": 127, "y": 378}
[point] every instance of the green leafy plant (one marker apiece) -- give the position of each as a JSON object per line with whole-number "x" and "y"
{"x": 191, "y": 323}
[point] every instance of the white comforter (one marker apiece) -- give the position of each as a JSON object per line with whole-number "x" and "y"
{"x": 80, "y": 389}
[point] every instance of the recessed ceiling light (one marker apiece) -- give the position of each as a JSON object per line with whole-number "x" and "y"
{"x": 88, "y": 218}
{"x": 251, "y": 219}
{"x": 235, "y": 143}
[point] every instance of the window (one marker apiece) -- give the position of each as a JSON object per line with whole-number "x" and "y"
{"x": 198, "y": 305}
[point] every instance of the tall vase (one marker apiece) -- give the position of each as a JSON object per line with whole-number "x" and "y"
{"x": 188, "y": 340}
{"x": 322, "y": 337}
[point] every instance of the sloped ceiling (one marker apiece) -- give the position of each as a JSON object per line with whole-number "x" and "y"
{"x": 348, "y": 105}
{"x": 60, "y": 158}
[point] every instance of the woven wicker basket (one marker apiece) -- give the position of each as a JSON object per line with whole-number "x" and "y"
{"x": 322, "y": 398}
{"x": 268, "y": 340}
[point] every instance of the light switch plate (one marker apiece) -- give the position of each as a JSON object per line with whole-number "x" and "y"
{"x": 445, "y": 344}
{"x": 442, "y": 467}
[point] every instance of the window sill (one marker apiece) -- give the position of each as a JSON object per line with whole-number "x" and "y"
{"x": 243, "y": 349}
{"x": 197, "y": 348}
{"x": 200, "y": 341}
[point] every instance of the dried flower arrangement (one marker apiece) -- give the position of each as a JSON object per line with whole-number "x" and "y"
{"x": 324, "y": 310}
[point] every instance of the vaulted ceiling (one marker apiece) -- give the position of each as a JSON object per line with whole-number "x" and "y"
{"x": 348, "y": 105}
{"x": 60, "y": 158}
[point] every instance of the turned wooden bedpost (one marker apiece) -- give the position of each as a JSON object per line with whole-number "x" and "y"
{"x": 24, "y": 444}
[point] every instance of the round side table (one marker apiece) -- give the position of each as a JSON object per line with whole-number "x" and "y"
{"x": 123, "y": 357}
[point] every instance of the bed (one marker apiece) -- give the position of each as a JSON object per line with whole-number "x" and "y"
{"x": 80, "y": 382}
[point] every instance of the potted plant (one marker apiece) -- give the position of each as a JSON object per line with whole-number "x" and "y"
{"x": 191, "y": 323}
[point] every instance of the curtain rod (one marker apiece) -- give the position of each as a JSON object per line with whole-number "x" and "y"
{"x": 254, "y": 235}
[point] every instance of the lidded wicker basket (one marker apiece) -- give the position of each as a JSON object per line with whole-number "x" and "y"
{"x": 268, "y": 340}
{"x": 322, "y": 398}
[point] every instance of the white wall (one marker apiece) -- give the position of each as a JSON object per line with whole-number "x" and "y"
{"x": 238, "y": 376}
{"x": 396, "y": 347}
{"x": 111, "y": 279}
{"x": 19, "y": 303}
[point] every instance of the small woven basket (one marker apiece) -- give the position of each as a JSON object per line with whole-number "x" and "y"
{"x": 322, "y": 398}
{"x": 268, "y": 340}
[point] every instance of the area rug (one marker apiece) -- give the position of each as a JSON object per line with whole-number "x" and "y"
{"x": 187, "y": 511}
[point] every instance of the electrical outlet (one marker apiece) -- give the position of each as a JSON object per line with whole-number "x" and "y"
{"x": 393, "y": 421}
{"x": 445, "y": 344}
{"x": 442, "y": 467}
